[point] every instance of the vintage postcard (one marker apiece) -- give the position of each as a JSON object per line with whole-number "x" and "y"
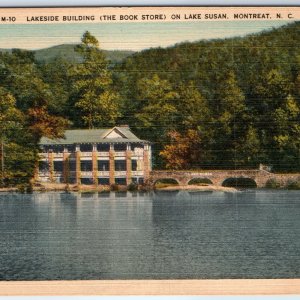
{"x": 149, "y": 150}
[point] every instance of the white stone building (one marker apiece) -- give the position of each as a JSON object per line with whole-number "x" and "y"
{"x": 95, "y": 156}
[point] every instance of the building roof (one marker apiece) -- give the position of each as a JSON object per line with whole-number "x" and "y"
{"x": 87, "y": 136}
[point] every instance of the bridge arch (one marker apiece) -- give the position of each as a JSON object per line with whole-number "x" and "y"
{"x": 240, "y": 182}
{"x": 166, "y": 181}
{"x": 200, "y": 181}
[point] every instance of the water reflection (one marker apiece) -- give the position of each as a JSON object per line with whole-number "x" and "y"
{"x": 88, "y": 195}
{"x": 104, "y": 194}
{"x": 199, "y": 193}
{"x": 165, "y": 194}
{"x": 138, "y": 235}
{"x": 221, "y": 235}
{"x": 121, "y": 194}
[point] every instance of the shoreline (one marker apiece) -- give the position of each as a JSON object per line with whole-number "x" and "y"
{"x": 59, "y": 187}
{"x": 204, "y": 188}
{"x": 62, "y": 187}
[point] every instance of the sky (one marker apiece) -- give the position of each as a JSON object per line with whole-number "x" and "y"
{"x": 126, "y": 36}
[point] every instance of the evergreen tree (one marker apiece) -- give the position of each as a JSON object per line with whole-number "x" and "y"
{"x": 229, "y": 121}
{"x": 158, "y": 110}
{"x": 192, "y": 108}
{"x": 187, "y": 145}
{"x": 286, "y": 135}
{"x": 95, "y": 101}
{"x": 250, "y": 153}
{"x": 55, "y": 75}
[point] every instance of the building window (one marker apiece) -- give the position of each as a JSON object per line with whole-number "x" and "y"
{"x": 103, "y": 181}
{"x": 120, "y": 165}
{"x": 120, "y": 181}
{"x": 134, "y": 165}
{"x": 58, "y": 148}
{"x": 103, "y": 165}
{"x": 47, "y": 148}
{"x": 70, "y": 148}
{"x": 86, "y": 165}
{"x": 103, "y": 147}
{"x": 87, "y": 181}
{"x": 120, "y": 147}
{"x": 43, "y": 166}
{"x": 137, "y": 180}
{"x": 58, "y": 166}
{"x": 86, "y": 147}
{"x": 134, "y": 180}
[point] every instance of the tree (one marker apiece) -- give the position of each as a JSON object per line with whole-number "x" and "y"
{"x": 40, "y": 123}
{"x": 17, "y": 154}
{"x": 25, "y": 116}
{"x": 250, "y": 153}
{"x": 55, "y": 74}
{"x": 286, "y": 135}
{"x": 96, "y": 102}
{"x": 157, "y": 115}
{"x": 192, "y": 107}
{"x": 185, "y": 150}
{"x": 24, "y": 81}
{"x": 33, "y": 97}
{"x": 229, "y": 122}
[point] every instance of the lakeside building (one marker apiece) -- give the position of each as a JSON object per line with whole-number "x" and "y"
{"x": 95, "y": 156}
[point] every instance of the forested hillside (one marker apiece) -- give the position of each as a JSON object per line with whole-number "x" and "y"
{"x": 228, "y": 103}
{"x": 239, "y": 96}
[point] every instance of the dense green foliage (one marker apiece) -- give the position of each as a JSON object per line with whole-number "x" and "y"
{"x": 93, "y": 100}
{"x": 249, "y": 89}
{"x": 25, "y": 116}
{"x": 231, "y": 103}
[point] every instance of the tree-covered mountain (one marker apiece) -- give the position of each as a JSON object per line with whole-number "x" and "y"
{"x": 68, "y": 53}
{"x": 250, "y": 89}
{"x": 226, "y": 103}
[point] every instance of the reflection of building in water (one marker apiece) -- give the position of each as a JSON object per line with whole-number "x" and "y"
{"x": 95, "y": 156}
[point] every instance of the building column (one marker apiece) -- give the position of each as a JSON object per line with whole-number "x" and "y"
{"x": 51, "y": 166}
{"x": 78, "y": 165}
{"x": 146, "y": 163}
{"x": 128, "y": 165}
{"x": 111, "y": 165}
{"x": 95, "y": 164}
{"x": 66, "y": 169}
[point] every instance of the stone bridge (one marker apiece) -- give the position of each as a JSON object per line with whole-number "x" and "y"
{"x": 218, "y": 177}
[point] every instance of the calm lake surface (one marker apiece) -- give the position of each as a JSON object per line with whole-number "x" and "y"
{"x": 163, "y": 235}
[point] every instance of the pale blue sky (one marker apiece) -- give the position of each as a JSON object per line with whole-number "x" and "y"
{"x": 126, "y": 36}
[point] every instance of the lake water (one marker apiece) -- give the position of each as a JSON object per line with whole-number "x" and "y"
{"x": 164, "y": 235}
